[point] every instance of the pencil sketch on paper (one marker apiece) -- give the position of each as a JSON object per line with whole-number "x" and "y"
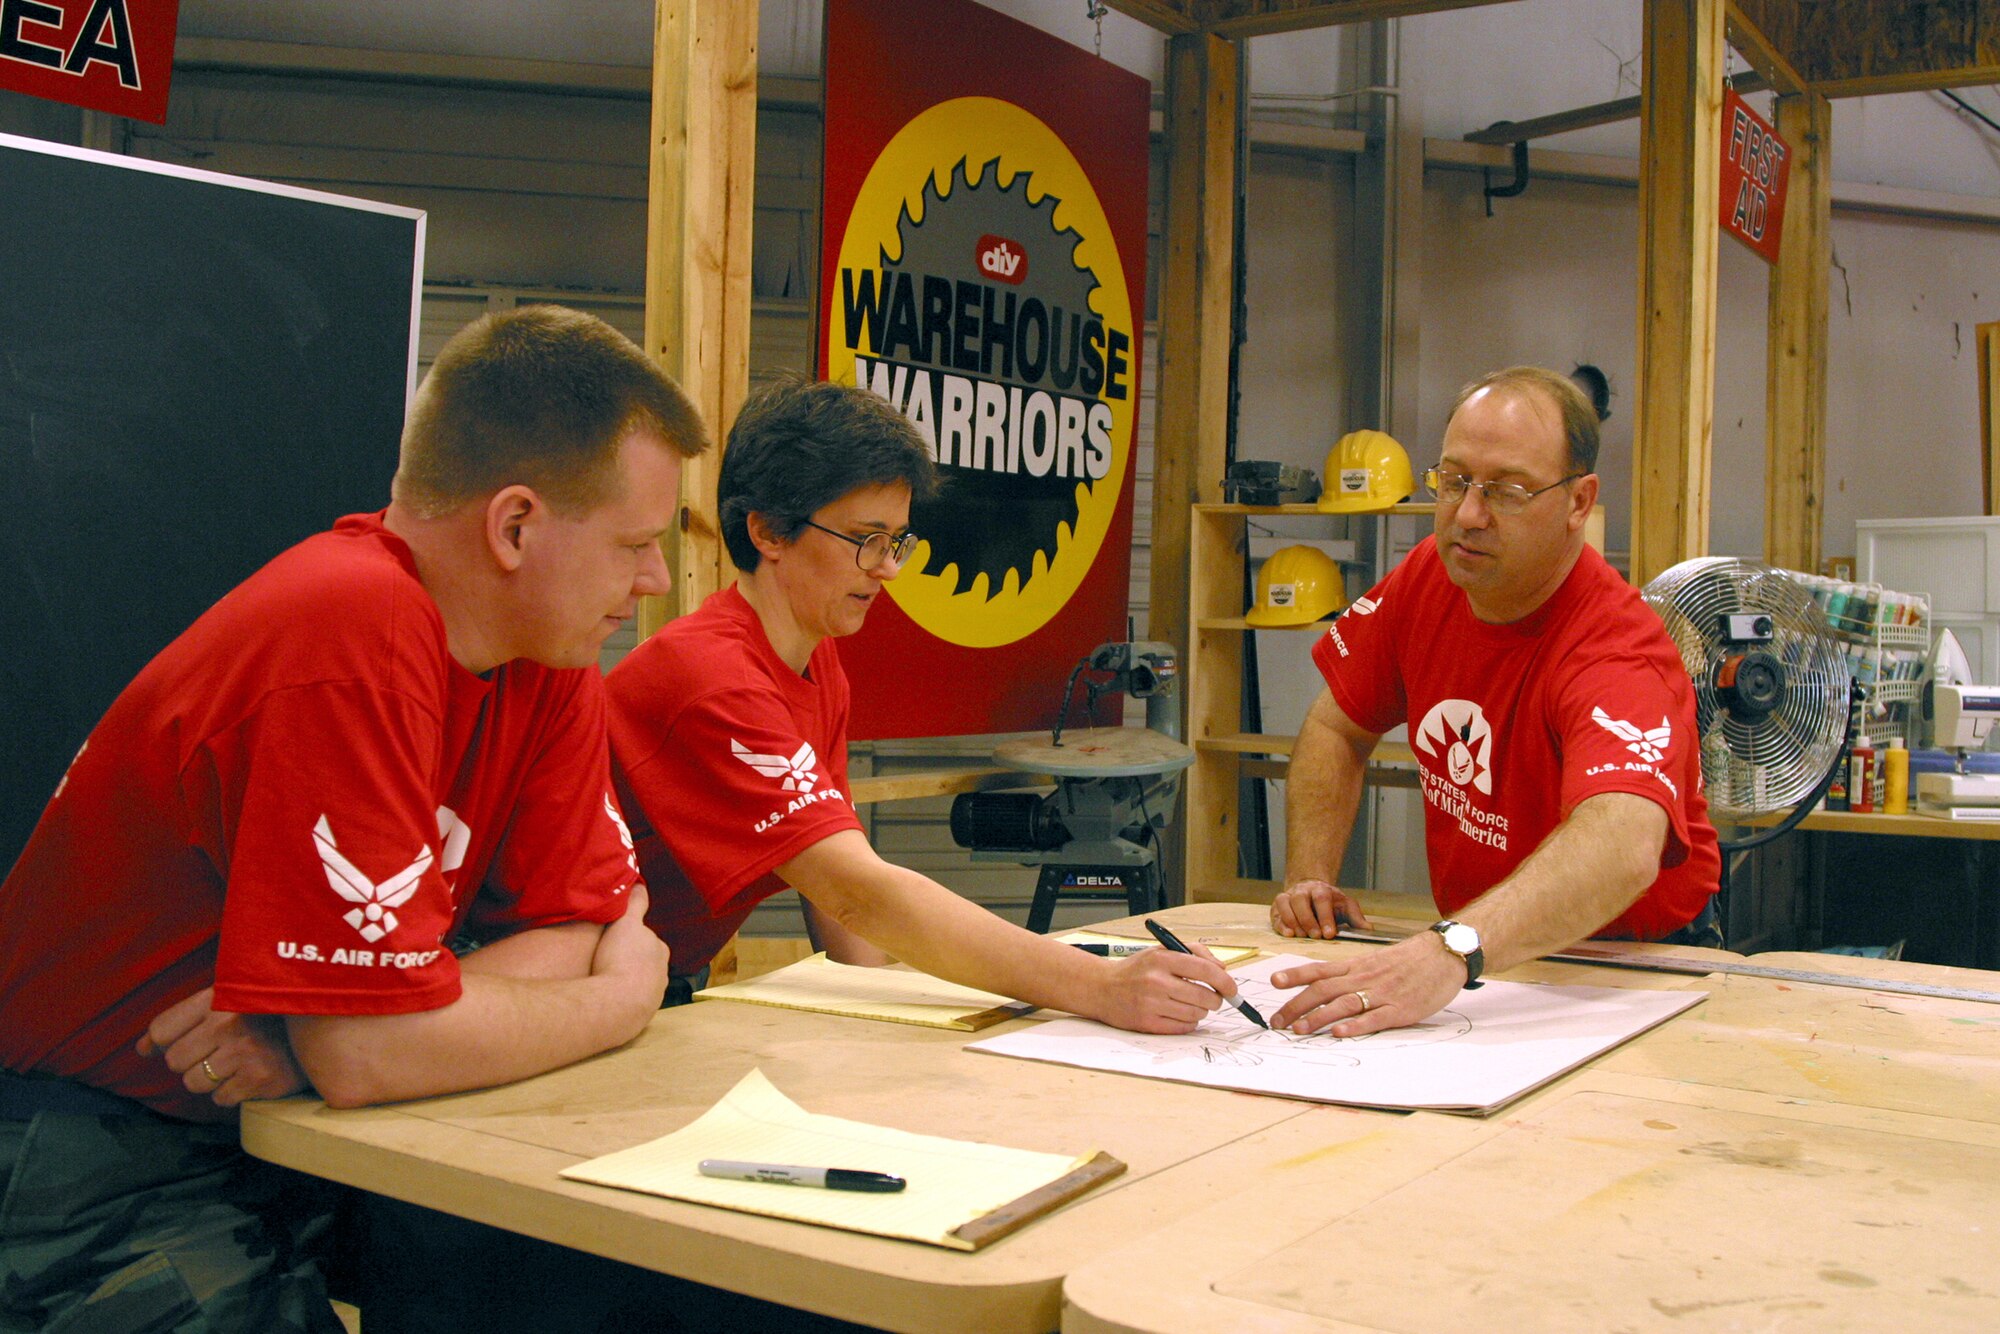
{"x": 1227, "y": 1038}
{"x": 1486, "y": 1048}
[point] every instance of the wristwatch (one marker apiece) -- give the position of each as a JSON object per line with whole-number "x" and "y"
{"x": 1463, "y": 941}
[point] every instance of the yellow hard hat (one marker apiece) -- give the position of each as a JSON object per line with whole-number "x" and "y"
{"x": 1297, "y": 586}
{"x": 1366, "y": 473}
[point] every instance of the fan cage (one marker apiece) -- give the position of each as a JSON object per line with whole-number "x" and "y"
{"x": 1761, "y": 766}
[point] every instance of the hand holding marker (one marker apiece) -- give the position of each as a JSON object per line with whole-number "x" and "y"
{"x": 1173, "y": 942}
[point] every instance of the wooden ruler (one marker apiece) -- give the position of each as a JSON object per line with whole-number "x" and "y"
{"x": 1604, "y": 955}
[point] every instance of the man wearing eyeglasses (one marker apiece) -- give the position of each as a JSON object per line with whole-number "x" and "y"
{"x": 729, "y": 733}
{"x": 1552, "y": 721}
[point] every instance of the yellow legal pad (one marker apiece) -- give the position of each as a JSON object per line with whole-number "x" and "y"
{"x": 900, "y": 995}
{"x": 896, "y": 994}
{"x": 960, "y": 1195}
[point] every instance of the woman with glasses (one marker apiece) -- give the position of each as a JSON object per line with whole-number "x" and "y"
{"x": 1550, "y": 715}
{"x": 729, "y": 733}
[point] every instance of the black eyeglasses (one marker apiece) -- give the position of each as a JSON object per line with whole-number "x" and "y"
{"x": 1500, "y": 497}
{"x": 872, "y": 550}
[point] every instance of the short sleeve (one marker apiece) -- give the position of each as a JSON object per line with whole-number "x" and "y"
{"x": 567, "y": 855}
{"x": 733, "y": 790}
{"x": 1358, "y": 656}
{"x": 335, "y": 899}
{"x": 1623, "y": 729}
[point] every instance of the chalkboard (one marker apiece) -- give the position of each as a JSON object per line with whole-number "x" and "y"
{"x": 196, "y": 372}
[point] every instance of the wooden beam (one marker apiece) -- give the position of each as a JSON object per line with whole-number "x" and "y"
{"x": 1169, "y": 16}
{"x": 1989, "y": 412}
{"x": 1191, "y": 434}
{"x": 703, "y": 168}
{"x": 1854, "y": 48}
{"x": 1761, "y": 52}
{"x": 1679, "y": 162}
{"x": 1795, "y": 357}
{"x": 1196, "y": 289}
{"x": 1260, "y": 18}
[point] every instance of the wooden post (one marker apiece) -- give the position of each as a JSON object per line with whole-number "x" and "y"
{"x": 1191, "y": 436}
{"x": 1795, "y": 362}
{"x": 1680, "y": 118}
{"x": 1989, "y": 412}
{"x": 698, "y": 253}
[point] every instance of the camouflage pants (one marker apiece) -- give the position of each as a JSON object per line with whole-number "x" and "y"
{"x": 141, "y": 1225}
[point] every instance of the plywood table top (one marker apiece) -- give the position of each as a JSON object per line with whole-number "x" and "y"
{"x": 494, "y": 1156}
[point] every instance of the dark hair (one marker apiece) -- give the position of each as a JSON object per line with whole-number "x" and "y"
{"x": 537, "y": 396}
{"x": 1579, "y": 417}
{"x": 800, "y": 444}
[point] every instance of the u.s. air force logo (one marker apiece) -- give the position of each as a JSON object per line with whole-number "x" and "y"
{"x": 1456, "y": 731}
{"x": 376, "y": 901}
{"x": 980, "y": 290}
{"x": 1649, "y": 744}
{"x": 796, "y": 771}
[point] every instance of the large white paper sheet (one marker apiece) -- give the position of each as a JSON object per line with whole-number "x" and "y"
{"x": 1486, "y": 1048}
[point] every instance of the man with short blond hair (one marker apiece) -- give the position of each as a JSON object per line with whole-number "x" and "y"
{"x": 1552, "y": 722}
{"x": 388, "y": 740}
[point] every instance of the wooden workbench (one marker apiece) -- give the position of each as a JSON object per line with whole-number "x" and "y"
{"x": 1781, "y": 1157}
{"x": 1778, "y": 1154}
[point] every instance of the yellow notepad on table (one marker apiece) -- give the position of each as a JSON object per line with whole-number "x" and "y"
{"x": 896, "y": 994}
{"x": 960, "y": 1195}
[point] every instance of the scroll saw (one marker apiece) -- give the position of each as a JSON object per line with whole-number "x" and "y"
{"x": 1097, "y": 835}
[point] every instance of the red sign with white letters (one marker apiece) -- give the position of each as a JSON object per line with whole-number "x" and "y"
{"x": 107, "y": 55}
{"x": 1756, "y": 165}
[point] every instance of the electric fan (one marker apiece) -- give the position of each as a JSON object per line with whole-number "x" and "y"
{"x": 1771, "y": 689}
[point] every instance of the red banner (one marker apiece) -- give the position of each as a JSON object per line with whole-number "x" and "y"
{"x": 1756, "y": 167}
{"x": 107, "y": 55}
{"x": 983, "y": 268}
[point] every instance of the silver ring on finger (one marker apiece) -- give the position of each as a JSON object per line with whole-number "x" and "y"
{"x": 1366, "y": 1004}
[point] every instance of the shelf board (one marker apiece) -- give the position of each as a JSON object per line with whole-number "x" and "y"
{"x": 1239, "y": 623}
{"x": 1407, "y": 507}
{"x": 1271, "y": 743}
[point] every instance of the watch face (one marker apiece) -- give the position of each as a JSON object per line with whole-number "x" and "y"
{"x": 1460, "y": 939}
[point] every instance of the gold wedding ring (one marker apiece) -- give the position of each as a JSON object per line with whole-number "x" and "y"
{"x": 209, "y": 1070}
{"x": 1360, "y": 995}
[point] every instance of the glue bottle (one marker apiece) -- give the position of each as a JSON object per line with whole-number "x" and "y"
{"x": 1861, "y": 779}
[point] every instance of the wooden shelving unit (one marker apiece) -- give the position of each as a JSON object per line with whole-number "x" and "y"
{"x": 1213, "y": 677}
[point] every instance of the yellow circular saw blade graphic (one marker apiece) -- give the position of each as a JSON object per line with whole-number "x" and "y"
{"x": 974, "y": 142}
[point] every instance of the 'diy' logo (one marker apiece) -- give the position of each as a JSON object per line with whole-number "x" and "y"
{"x": 980, "y": 290}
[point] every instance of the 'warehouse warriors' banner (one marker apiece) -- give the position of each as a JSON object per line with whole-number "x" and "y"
{"x": 983, "y": 268}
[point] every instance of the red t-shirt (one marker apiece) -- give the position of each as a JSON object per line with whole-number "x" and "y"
{"x": 299, "y": 800}
{"x": 728, "y": 763}
{"x": 1514, "y": 725}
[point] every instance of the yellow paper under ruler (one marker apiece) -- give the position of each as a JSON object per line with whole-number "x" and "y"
{"x": 900, "y": 995}
{"x": 960, "y": 1195}
{"x": 896, "y": 994}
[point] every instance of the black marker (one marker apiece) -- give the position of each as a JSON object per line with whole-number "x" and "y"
{"x": 827, "y": 1178}
{"x": 1173, "y": 942}
{"x": 1107, "y": 951}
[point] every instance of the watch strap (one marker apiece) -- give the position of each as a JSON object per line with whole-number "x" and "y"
{"x": 1474, "y": 959}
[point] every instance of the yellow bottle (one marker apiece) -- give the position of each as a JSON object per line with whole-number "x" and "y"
{"x": 1895, "y": 781}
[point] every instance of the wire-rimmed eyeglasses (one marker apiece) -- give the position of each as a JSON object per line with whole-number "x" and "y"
{"x": 1500, "y": 497}
{"x": 872, "y": 550}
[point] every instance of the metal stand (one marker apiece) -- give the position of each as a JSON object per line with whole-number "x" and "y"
{"x": 1139, "y": 886}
